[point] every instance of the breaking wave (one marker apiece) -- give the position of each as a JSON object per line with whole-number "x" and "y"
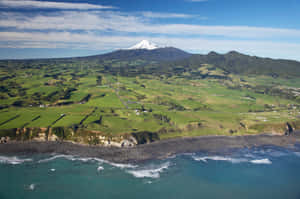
{"x": 220, "y": 158}
{"x": 261, "y": 161}
{"x": 150, "y": 171}
{"x": 232, "y": 160}
{"x": 13, "y": 160}
{"x": 87, "y": 159}
{"x": 122, "y": 166}
{"x": 69, "y": 157}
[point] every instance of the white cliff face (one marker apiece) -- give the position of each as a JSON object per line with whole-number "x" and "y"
{"x": 144, "y": 45}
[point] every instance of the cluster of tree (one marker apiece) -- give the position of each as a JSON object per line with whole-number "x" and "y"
{"x": 171, "y": 104}
{"x": 162, "y": 118}
{"x": 99, "y": 80}
{"x": 11, "y": 88}
{"x": 237, "y": 63}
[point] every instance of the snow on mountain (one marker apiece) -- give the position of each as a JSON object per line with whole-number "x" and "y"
{"x": 144, "y": 45}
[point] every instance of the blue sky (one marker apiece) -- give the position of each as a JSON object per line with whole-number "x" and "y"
{"x": 65, "y": 28}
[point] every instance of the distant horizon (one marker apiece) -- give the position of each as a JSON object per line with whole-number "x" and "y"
{"x": 35, "y": 29}
{"x": 107, "y": 52}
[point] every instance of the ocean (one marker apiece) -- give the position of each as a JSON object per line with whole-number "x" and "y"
{"x": 262, "y": 172}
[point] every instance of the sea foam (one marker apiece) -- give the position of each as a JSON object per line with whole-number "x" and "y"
{"x": 219, "y": 158}
{"x": 69, "y": 157}
{"x": 31, "y": 187}
{"x": 232, "y": 160}
{"x": 87, "y": 159}
{"x": 100, "y": 168}
{"x": 13, "y": 160}
{"x": 122, "y": 166}
{"x": 261, "y": 161}
{"x": 150, "y": 171}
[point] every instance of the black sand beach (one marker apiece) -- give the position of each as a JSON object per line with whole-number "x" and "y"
{"x": 156, "y": 150}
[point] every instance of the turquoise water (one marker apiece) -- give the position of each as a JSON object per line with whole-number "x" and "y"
{"x": 267, "y": 172}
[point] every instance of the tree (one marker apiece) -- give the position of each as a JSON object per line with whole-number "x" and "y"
{"x": 99, "y": 80}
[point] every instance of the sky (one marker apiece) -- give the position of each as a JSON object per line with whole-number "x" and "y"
{"x": 67, "y": 28}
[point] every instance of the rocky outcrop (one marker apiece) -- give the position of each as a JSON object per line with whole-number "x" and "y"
{"x": 289, "y": 129}
{"x": 127, "y": 143}
{"x": 81, "y": 136}
{"x": 145, "y": 137}
{"x": 277, "y": 128}
{"x": 244, "y": 126}
{"x": 4, "y": 140}
{"x": 34, "y": 133}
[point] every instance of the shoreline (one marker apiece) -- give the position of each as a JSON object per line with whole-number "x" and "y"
{"x": 157, "y": 150}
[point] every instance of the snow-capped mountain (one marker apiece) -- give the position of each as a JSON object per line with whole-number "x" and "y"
{"x": 144, "y": 50}
{"x": 144, "y": 45}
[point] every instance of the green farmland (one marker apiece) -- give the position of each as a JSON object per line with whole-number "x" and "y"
{"x": 89, "y": 99}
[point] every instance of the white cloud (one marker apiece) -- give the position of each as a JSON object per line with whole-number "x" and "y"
{"x": 48, "y": 4}
{"x": 57, "y": 30}
{"x": 64, "y": 39}
{"x": 71, "y": 20}
{"x": 120, "y": 22}
{"x": 106, "y": 43}
{"x": 166, "y": 15}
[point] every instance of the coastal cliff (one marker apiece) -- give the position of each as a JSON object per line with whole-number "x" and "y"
{"x": 79, "y": 136}
{"x": 96, "y": 138}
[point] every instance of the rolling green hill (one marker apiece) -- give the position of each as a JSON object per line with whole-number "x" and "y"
{"x": 172, "y": 60}
{"x": 237, "y": 63}
{"x": 147, "y": 95}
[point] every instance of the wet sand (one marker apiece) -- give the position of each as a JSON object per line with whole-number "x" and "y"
{"x": 156, "y": 150}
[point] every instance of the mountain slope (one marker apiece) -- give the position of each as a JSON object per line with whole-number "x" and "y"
{"x": 173, "y": 61}
{"x": 158, "y": 54}
{"x": 238, "y": 63}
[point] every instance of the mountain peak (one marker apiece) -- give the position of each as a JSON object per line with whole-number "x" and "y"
{"x": 145, "y": 44}
{"x": 233, "y": 53}
{"x": 212, "y": 53}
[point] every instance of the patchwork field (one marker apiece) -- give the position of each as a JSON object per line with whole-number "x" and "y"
{"x": 179, "y": 105}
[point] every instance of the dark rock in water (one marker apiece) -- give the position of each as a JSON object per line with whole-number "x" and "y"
{"x": 289, "y": 129}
